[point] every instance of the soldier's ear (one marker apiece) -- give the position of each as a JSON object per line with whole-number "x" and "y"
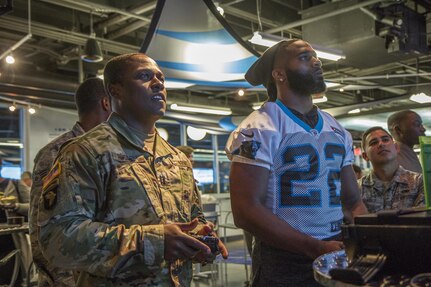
{"x": 106, "y": 105}
{"x": 397, "y": 147}
{"x": 364, "y": 156}
{"x": 397, "y": 130}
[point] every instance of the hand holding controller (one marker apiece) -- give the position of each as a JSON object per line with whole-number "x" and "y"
{"x": 210, "y": 241}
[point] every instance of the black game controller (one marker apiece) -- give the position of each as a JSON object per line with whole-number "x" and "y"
{"x": 210, "y": 241}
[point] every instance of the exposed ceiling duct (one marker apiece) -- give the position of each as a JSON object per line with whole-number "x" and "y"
{"x": 49, "y": 58}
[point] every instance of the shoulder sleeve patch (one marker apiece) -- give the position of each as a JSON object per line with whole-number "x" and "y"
{"x": 50, "y": 184}
{"x": 52, "y": 175}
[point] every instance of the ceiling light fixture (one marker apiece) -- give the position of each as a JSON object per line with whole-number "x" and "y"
{"x": 331, "y": 84}
{"x": 354, "y": 111}
{"x": 163, "y": 133}
{"x": 10, "y": 59}
{"x": 172, "y": 84}
{"x": 319, "y": 100}
{"x": 421, "y": 98}
{"x": 269, "y": 40}
{"x": 25, "y": 38}
{"x": 92, "y": 51}
{"x": 196, "y": 109}
{"x": 12, "y": 107}
{"x": 31, "y": 110}
{"x": 196, "y": 134}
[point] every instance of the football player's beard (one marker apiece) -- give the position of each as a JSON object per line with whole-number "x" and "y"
{"x": 305, "y": 84}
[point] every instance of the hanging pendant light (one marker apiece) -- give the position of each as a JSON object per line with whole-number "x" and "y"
{"x": 92, "y": 51}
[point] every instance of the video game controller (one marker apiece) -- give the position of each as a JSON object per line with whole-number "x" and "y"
{"x": 210, "y": 241}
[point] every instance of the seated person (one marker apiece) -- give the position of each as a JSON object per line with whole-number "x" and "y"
{"x": 388, "y": 185}
{"x": 27, "y": 178}
{"x": 17, "y": 205}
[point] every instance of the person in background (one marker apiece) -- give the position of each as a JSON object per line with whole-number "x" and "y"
{"x": 358, "y": 171}
{"x": 291, "y": 175}
{"x": 406, "y": 127}
{"x": 388, "y": 185}
{"x": 93, "y": 107}
{"x": 17, "y": 205}
{"x": 188, "y": 151}
{"x": 119, "y": 206}
{"x": 26, "y": 178}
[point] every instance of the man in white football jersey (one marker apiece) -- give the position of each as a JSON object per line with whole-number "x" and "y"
{"x": 291, "y": 180}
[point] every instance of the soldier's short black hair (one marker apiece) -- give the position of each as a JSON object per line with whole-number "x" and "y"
{"x": 115, "y": 67}
{"x": 370, "y": 130}
{"x": 396, "y": 118}
{"x": 88, "y": 95}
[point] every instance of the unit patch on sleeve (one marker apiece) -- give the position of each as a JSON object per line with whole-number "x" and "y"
{"x": 50, "y": 184}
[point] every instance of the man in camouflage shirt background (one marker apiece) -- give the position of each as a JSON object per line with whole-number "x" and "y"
{"x": 119, "y": 203}
{"x": 93, "y": 108}
{"x": 388, "y": 185}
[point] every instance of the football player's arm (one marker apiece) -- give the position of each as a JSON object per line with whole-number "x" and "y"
{"x": 249, "y": 185}
{"x": 350, "y": 195}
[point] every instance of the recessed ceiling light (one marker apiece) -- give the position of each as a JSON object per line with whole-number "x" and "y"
{"x": 420, "y": 98}
{"x": 10, "y": 59}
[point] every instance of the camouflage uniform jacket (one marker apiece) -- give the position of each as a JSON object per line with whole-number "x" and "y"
{"x": 406, "y": 190}
{"x": 104, "y": 205}
{"x": 48, "y": 274}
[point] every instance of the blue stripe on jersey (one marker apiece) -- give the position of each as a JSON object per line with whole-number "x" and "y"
{"x": 297, "y": 120}
{"x": 319, "y": 125}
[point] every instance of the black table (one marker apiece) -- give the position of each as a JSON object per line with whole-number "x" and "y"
{"x": 7, "y": 230}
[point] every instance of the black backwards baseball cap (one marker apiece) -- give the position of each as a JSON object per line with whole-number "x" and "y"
{"x": 260, "y": 73}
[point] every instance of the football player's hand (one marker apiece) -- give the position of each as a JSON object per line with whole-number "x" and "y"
{"x": 324, "y": 247}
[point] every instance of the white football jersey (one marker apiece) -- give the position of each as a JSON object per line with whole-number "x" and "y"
{"x": 304, "y": 164}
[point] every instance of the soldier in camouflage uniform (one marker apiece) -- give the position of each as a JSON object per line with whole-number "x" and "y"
{"x": 93, "y": 108}
{"x": 120, "y": 202}
{"x": 388, "y": 185}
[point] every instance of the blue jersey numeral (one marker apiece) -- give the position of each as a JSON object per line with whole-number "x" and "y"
{"x": 314, "y": 197}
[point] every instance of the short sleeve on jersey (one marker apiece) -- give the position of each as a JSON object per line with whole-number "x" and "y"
{"x": 255, "y": 141}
